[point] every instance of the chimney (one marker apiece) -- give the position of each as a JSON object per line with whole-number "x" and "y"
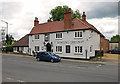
{"x": 67, "y": 19}
{"x": 49, "y": 20}
{"x": 36, "y": 22}
{"x": 83, "y": 17}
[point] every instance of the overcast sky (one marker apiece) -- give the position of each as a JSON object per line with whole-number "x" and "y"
{"x": 20, "y": 14}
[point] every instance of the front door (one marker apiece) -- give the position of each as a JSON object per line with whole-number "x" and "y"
{"x": 67, "y": 48}
{"x": 48, "y": 47}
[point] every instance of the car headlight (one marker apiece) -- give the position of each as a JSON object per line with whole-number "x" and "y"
{"x": 55, "y": 57}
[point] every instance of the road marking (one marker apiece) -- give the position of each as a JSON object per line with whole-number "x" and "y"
{"x": 9, "y": 78}
{"x": 20, "y": 81}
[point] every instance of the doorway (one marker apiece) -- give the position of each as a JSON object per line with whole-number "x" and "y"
{"x": 48, "y": 47}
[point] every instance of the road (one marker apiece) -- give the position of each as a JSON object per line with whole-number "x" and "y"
{"x": 27, "y": 69}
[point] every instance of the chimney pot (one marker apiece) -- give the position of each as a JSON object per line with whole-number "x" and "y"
{"x": 69, "y": 9}
{"x": 83, "y": 17}
{"x": 66, "y": 11}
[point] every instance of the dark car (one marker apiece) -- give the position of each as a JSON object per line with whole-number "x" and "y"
{"x": 48, "y": 56}
{"x": 114, "y": 51}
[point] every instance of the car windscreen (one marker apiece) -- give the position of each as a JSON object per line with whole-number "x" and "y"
{"x": 52, "y": 54}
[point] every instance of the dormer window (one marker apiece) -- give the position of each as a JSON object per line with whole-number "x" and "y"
{"x": 58, "y": 35}
{"x": 78, "y": 34}
{"x": 37, "y": 36}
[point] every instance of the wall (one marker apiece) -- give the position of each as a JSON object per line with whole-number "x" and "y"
{"x": 25, "y": 50}
{"x": 104, "y": 44}
{"x": 36, "y": 42}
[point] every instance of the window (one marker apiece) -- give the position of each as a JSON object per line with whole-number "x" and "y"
{"x": 78, "y": 49}
{"x": 22, "y": 48}
{"x": 58, "y": 48}
{"x": 58, "y": 35}
{"x": 14, "y": 48}
{"x": 36, "y": 48}
{"x": 78, "y": 35}
{"x": 36, "y": 36}
{"x": 91, "y": 48}
{"x": 67, "y": 48}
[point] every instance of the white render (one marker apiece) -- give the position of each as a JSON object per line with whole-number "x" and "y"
{"x": 24, "y": 50}
{"x": 90, "y": 38}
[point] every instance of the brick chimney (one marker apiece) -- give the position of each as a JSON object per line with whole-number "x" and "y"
{"x": 36, "y": 22}
{"x": 67, "y": 19}
{"x": 83, "y": 17}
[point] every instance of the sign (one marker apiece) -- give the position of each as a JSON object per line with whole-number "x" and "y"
{"x": 69, "y": 42}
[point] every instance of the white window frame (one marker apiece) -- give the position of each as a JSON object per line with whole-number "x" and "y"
{"x": 77, "y": 34}
{"x": 60, "y": 35}
{"x": 36, "y": 36}
{"x": 37, "y": 48}
{"x": 58, "y": 50}
{"x": 77, "y": 50}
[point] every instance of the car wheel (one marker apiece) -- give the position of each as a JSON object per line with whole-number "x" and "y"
{"x": 51, "y": 60}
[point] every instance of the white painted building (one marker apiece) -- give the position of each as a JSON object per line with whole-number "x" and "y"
{"x": 69, "y": 38}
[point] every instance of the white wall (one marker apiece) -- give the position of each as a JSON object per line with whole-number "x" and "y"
{"x": 89, "y": 38}
{"x": 25, "y": 49}
{"x": 36, "y": 42}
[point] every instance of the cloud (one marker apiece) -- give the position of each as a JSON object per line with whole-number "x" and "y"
{"x": 100, "y": 9}
{"x": 9, "y": 9}
{"x": 107, "y": 26}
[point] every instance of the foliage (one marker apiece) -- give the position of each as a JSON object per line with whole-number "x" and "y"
{"x": 9, "y": 39}
{"x": 115, "y": 38}
{"x": 9, "y": 48}
{"x": 57, "y": 14}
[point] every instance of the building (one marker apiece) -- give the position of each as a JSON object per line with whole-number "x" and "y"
{"x": 22, "y": 45}
{"x": 69, "y": 38}
{"x": 114, "y": 44}
{"x": 104, "y": 44}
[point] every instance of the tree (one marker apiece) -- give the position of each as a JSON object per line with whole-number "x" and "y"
{"x": 9, "y": 39}
{"x": 115, "y": 38}
{"x": 57, "y": 14}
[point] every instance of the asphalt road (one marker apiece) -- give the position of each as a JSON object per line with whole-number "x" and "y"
{"x": 27, "y": 69}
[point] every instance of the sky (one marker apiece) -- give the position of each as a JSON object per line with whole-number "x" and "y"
{"x": 20, "y": 14}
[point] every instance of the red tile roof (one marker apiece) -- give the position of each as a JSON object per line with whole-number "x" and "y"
{"x": 23, "y": 42}
{"x": 56, "y": 26}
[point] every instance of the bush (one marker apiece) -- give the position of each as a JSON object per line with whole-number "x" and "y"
{"x": 9, "y": 48}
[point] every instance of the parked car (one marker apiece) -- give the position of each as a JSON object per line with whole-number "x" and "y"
{"x": 114, "y": 51}
{"x": 48, "y": 56}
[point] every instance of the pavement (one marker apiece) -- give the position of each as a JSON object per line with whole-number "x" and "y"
{"x": 103, "y": 61}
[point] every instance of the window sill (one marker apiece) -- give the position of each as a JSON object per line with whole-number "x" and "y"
{"x": 58, "y": 38}
{"x": 78, "y": 37}
{"x": 78, "y": 53}
{"x": 58, "y": 52}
